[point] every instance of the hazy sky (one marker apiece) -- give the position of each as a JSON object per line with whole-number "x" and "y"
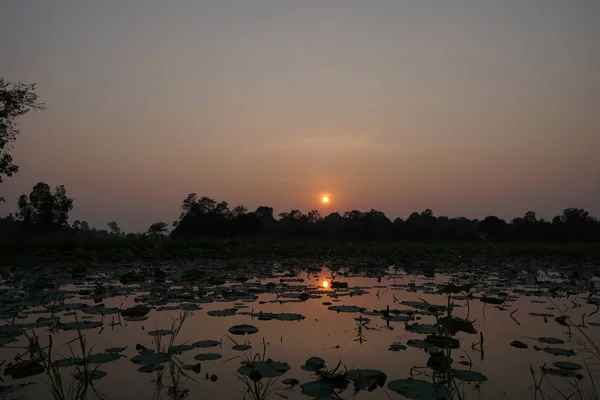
{"x": 469, "y": 108}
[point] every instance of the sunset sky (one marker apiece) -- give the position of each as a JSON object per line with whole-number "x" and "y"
{"x": 469, "y": 108}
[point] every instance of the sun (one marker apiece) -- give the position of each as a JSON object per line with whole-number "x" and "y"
{"x": 325, "y": 284}
{"x": 325, "y": 199}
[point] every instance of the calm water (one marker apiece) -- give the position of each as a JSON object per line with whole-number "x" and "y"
{"x": 330, "y": 335}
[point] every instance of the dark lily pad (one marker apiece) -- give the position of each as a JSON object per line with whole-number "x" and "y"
{"x": 136, "y": 311}
{"x": 223, "y": 313}
{"x": 72, "y": 326}
{"x": 102, "y": 358}
{"x": 290, "y": 381}
{"x": 24, "y": 369}
{"x": 559, "y": 352}
{"x": 203, "y": 344}
{"x": 150, "y": 357}
{"x": 366, "y": 379}
{"x": 90, "y": 376}
{"x": 243, "y": 329}
{"x": 241, "y": 347}
{"x": 318, "y": 389}
{"x": 266, "y": 369}
{"x": 518, "y": 345}
{"x": 195, "y": 368}
{"x": 397, "y": 347}
{"x": 468, "y": 376}
{"x": 207, "y": 356}
{"x": 550, "y": 340}
{"x": 148, "y": 368}
{"x": 568, "y": 365}
{"x": 115, "y": 349}
{"x": 313, "y": 364}
{"x": 417, "y": 389}
{"x": 68, "y": 362}
{"x": 348, "y": 309}
{"x": 161, "y": 332}
{"x": 422, "y": 328}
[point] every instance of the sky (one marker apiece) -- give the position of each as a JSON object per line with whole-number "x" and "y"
{"x": 469, "y": 108}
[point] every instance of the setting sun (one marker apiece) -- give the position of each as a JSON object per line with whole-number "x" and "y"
{"x": 325, "y": 284}
{"x": 325, "y": 199}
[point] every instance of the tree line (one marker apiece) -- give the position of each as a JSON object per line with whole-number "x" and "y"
{"x": 46, "y": 212}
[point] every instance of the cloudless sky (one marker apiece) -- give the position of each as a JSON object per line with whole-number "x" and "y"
{"x": 469, "y": 108}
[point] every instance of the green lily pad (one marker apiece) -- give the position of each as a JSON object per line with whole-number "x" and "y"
{"x": 313, "y": 364}
{"x": 102, "y": 358}
{"x": 68, "y": 362}
{"x": 222, "y": 313}
{"x": 267, "y": 369}
{"x": 417, "y": 389}
{"x": 241, "y": 347}
{"x": 115, "y": 349}
{"x": 317, "y": 389}
{"x": 518, "y": 345}
{"x": 91, "y": 375}
{"x": 422, "y": 328}
{"x": 366, "y": 379}
{"x": 160, "y": 332}
{"x": 290, "y": 381}
{"x": 559, "y": 352}
{"x": 397, "y": 347}
{"x": 72, "y": 326}
{"x": 203, "y": 344}
{"x": 550, "y": 340}
{"x": 397, "y": 318}
{"x": 147, "y": 368}
{"x": 243, "y": 329}
{"x": 568, "y": 365}
{"x": 348, "y": 309}
{"x": 207, "y": 356}
{"x": 150, "y": 357}
{"x": 180, "y": 348}
{"x": 468, "y": 376}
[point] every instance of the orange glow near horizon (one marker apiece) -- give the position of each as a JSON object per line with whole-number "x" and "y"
{"x": 326, "y": 284}
{"x": 325, "y": 199}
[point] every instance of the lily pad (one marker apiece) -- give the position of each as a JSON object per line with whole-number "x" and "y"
{"x": 397, "y": 347}
{"x": 313, "y": 364}
{"x": 317, "y": 389}
{"x": 417, "y": 389}
{"x": 422, "y": 328}
{"x": 518, "y": 345}
{"x": 68, "y": 362}
{"x": 267, "y": 369}
{"x": 102, "y": 358}
{"x": 559, "y": 352}
{"x": 150, "y": 357}
{"x": 203, "y": 344}
{"x": 223, "y": 313}
{"x": 568, "y": 365}
{"x": 243, "y": 329}
{"x": 468, "y": 376}
{"x": 207, "y": 356}
{"x": 241, "y": 347}
{"x": 348, "y": 309}
{"x": 550, "y": 340}
{"x": 147, "y": 368}
{"x": 72, "y": 326}
{"x": 161, "y": 332}
{"x": 91, "y": 375}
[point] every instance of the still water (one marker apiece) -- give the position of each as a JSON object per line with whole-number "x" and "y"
{"x": 308, "y": 322}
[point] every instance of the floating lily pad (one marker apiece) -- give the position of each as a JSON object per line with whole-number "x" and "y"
{"x": 417, "y": 389}
{"x": 147, "y": 368}
{"x": 313, "y": 364}
{"x": 223, "y": 313}
{"x": 397, "y": 318}
{"x": 518, "y": 345}
{"x": 193, "y": 367}
{"x": 180, "y": 348}
{"x": 348, "y": 309}
{"x": 290, "y": 381}
{"x": 206, "y": 344}
{"x": 150, "y": 357}
{"x": 397, "y": 347}
{"x": 546, "y": 315}
{"x": 267, "y": 369}
{"x": 366, "y": 379}
{"x": 550, "y": 340}
{"x": 136, "y": 311}
{"x": 568, "y": 365}
{"x": 422, "y": 328}
{"x": 318, "y": 389}
{"x": 559, "y": 352}
{"x": 243, "y": 329}
{"x": 468, "y": 376}
{"x": 72, "y": 326}
{"x": 115, "y": 349}
{"x": 68, "y": 362}
{"x": 241, "y": 347}
{"x": 207, "y": 356}
{"x": 102, "y": 358}
{"x": 24, "y": 369}
{"x": 136, "y": 319}
{"x": 90, "y": 376}
{"x": 160, "y": 332}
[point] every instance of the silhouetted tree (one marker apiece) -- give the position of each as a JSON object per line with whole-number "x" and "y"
{"x": 158, "y": 229}
{"x": 114, "y": 228}
{"x": 16, "y": 100}
{"x": 45, "y": 210}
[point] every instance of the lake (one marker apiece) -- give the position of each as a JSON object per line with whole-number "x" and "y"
{"x": 312, "y": 331}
